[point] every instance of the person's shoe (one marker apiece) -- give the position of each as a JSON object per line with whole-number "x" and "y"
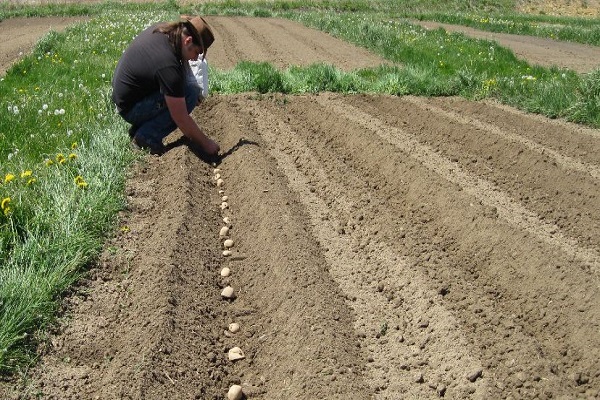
{"x": 154, "y": 148}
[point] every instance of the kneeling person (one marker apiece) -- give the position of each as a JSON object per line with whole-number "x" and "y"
{"x": 151, "y": 88}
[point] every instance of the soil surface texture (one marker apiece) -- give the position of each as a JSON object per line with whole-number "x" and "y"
{"x": 382, "y": 248}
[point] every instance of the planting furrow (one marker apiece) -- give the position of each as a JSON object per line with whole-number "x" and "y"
{"x": 367, "y": 277}
{"x": 293, "y": 319}
{"x": 465, "y": 250}
{"x": 194, "y": 312}
{"x": 488, "y": 194}
{"x": 562, "y": 160}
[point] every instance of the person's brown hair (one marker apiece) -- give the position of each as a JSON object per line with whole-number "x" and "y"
{"x": 175, "y": 30}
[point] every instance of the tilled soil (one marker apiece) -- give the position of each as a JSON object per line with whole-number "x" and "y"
{"x": 384, "y": 248}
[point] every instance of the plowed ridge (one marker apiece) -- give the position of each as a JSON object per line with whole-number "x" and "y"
{"x": 480, "y": 189}
{"x": 448, "y": 274}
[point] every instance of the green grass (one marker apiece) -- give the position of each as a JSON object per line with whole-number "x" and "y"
{"x": 440, "y": 63}
{"x": 64, "y": 156}
{"x": 578, "y": 30}
{"x": 12, "y": 10}
{"x": 428, "y": 63}
{"x": 58, "y": 208}
{"x": 493, "y": 16}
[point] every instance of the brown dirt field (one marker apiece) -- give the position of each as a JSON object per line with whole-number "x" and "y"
{"x": 384, "y": 248}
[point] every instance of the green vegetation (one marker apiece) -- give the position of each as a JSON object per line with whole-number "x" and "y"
{"x": 12, "y": 10}
{"x": 64, "y": 157}
{"x": 64, "y": 153}
{"x": 428, "y": 63}
{"x": 578, "y": 30}
{"x": 493, "y": 16}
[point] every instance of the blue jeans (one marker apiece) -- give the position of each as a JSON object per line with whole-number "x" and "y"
{"x": 151, "y": 118}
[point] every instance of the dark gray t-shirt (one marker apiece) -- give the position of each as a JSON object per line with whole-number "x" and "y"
{"x": 148, "y": 65}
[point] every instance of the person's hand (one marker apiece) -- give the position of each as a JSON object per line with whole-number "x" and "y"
{"x": 210, "y": 147}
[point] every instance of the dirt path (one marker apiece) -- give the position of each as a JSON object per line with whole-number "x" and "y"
{"x": 383, "y": 248}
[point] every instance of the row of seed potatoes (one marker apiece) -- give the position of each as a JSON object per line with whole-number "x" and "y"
{"x": 235, "y": 391}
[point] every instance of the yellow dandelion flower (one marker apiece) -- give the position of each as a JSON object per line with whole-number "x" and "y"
{"x": 26, "y": 174}
{"x": 80, "y": 182}
{"x": 125, "y": 229}
{"x": 31, "y": 181}
{"x": 60, "y": 158}
{"x": 48, "y": 162}
{"x": 8, "y": 178}
{"x": 72, "y": 156}
{"x": 5, "y": 205}
{"x": 73, "y": 145}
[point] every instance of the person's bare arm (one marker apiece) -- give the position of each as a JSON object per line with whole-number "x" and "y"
{"x": 188, "y": 126}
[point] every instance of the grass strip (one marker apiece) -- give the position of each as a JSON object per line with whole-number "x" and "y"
{"x": 569, "y": 29}
{"x": 64, "y": 156}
